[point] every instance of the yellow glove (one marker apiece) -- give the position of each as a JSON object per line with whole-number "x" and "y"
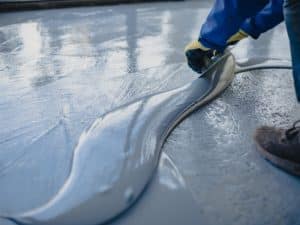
{"x": 198, "y": 56}
{"x": 237, "y": 37}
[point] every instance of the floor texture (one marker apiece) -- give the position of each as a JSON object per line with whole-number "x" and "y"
{"x": 61, "y": 69}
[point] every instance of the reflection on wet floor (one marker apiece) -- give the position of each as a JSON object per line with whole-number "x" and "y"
{"x": 61, "y": 69}
{"x": 59, "y": 73}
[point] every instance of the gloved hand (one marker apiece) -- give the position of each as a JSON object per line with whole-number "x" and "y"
{"x": 237, "y": 37}
{"x": 198, "y": 56}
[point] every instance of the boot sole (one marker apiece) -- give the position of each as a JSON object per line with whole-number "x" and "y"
{"x": 284, "y": 164}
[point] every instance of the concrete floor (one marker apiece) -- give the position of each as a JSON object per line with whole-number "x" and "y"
{"x": 61, "y": 69}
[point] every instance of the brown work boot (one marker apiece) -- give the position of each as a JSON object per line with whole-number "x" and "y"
{"x": 280, "y": 146}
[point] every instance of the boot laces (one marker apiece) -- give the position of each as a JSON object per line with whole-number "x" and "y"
{"x": 293, "y": 131}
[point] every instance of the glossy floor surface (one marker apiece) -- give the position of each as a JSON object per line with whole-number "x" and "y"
{"x": 61, "y": 69}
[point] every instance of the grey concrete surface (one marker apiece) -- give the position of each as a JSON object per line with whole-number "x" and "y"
{"x": 61, "y": 69}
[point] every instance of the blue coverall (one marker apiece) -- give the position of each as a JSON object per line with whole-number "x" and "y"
{"x": 254, "y": 17}
{"x": 228, "y": 16}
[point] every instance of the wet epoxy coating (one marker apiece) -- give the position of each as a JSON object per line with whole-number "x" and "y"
{"x": 117, "y": 156}
{"x": 61, "y": 69}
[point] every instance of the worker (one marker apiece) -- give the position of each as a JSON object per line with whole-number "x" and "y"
{"x": 230, "y": 21}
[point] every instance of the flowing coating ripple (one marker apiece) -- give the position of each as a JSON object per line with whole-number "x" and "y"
{"x": 116, "y": 157}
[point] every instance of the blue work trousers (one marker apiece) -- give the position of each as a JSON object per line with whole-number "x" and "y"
{"x": 254, "y": 17}
{"x": 292, "y": 20}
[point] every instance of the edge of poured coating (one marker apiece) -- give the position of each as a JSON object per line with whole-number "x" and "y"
{"x": 117, "y": 156}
